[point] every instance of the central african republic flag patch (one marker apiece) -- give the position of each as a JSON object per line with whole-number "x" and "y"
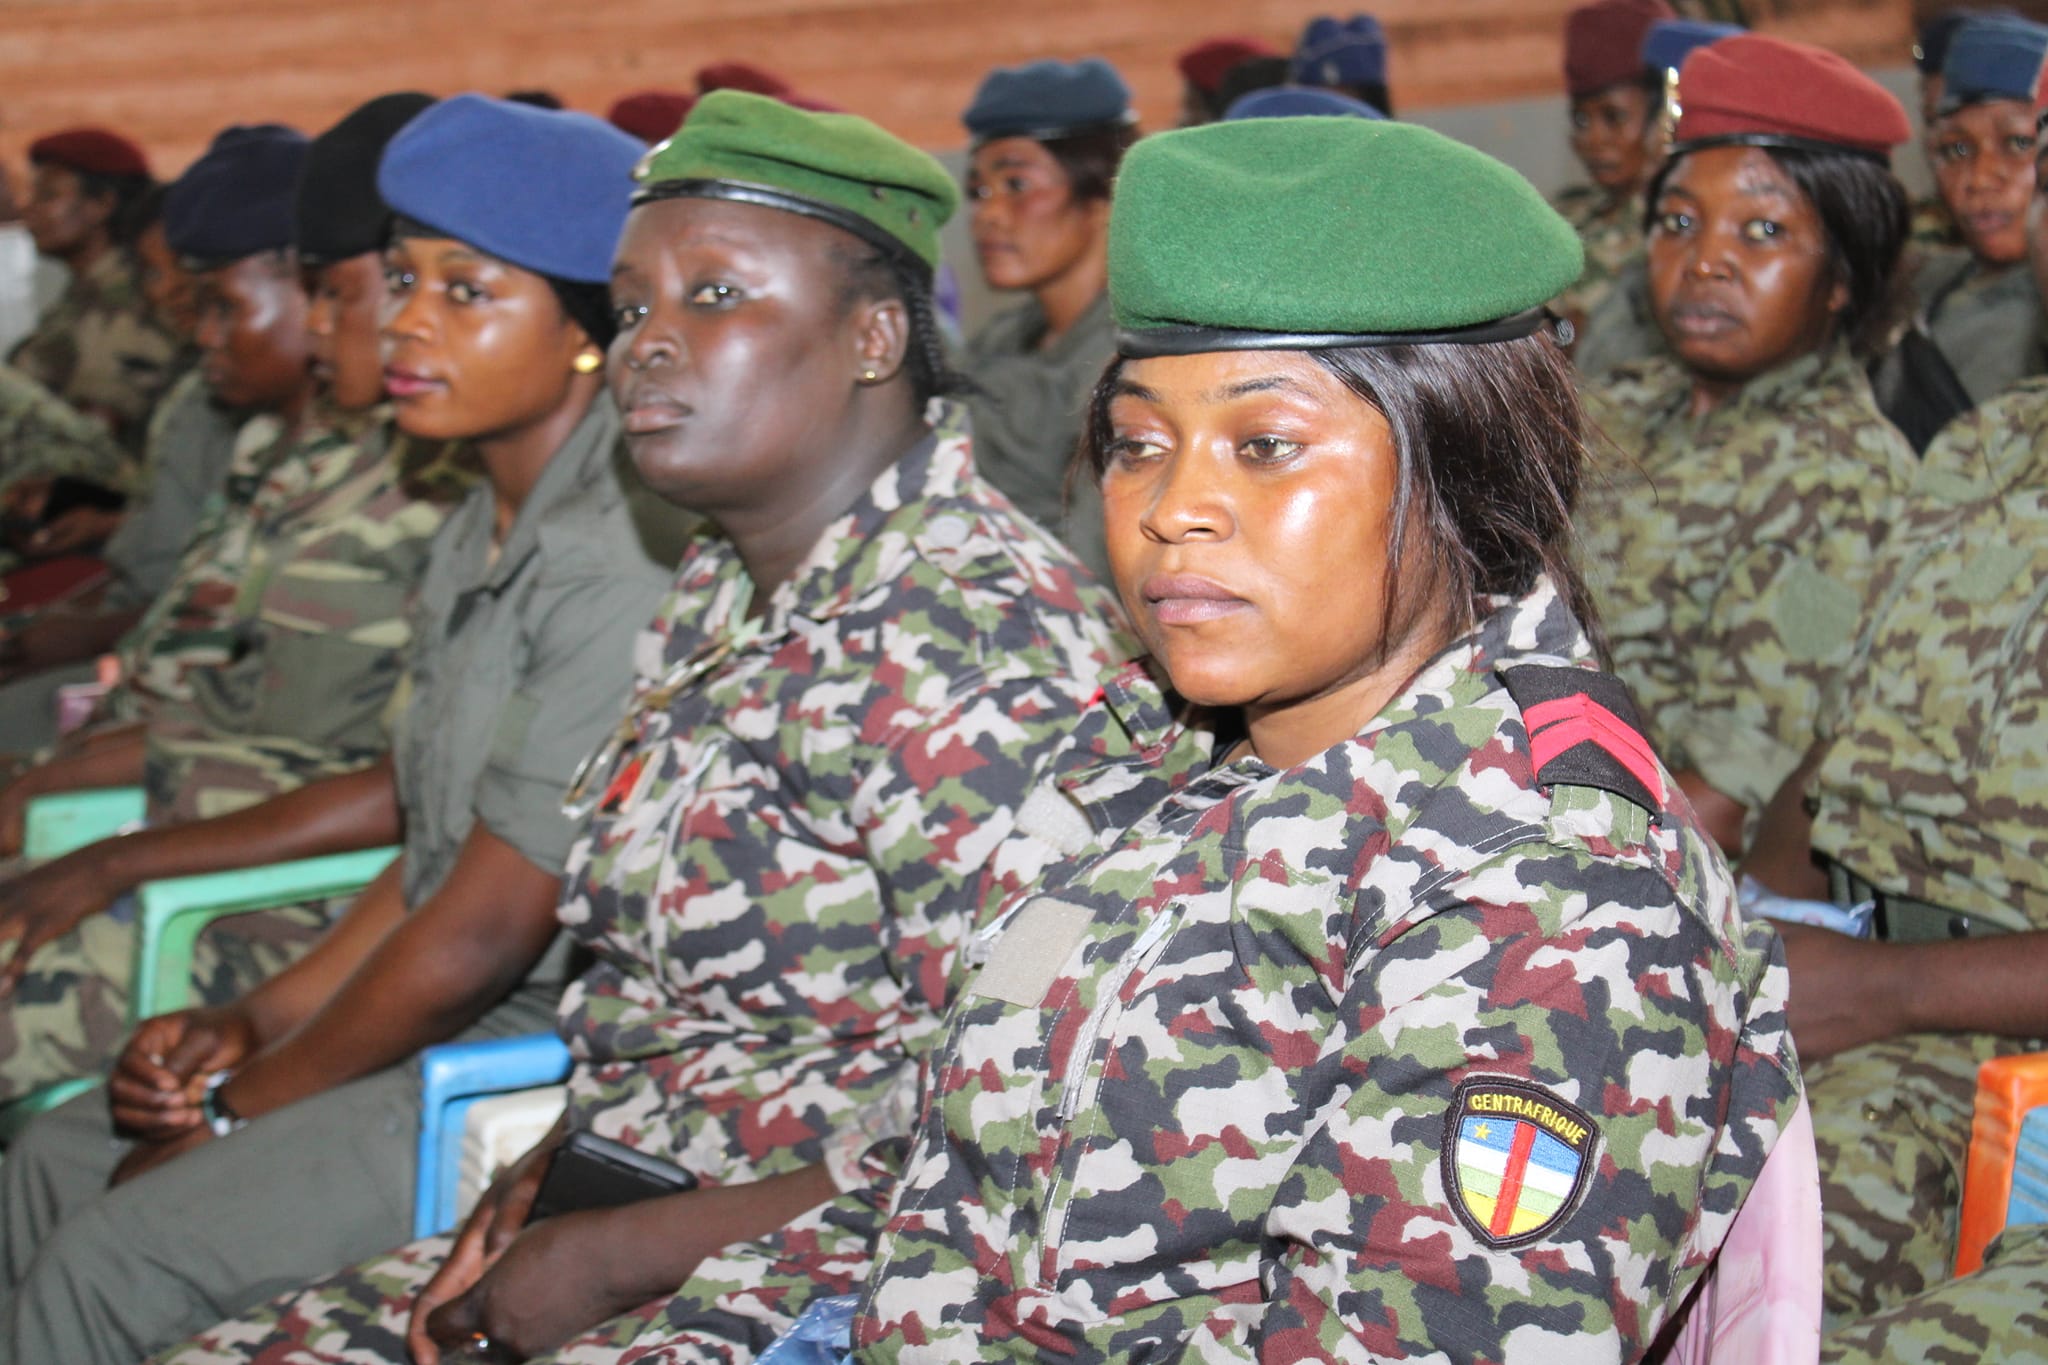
{"x": 1516, "y": 1159}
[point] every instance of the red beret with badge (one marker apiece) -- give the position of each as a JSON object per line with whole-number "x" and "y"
{"x": 1756, "y": 90}
{"x": 95, "y": 151}
{"x": 1603, "y": 43}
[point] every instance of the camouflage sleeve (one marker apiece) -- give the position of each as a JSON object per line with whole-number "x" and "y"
{"x": 1781, "y": 626}
{"x": 1526, "y": 1123}
{"x": 581, "y": 625}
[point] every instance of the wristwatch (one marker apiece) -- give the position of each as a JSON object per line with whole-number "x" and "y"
{"x": 214, "y": 1107}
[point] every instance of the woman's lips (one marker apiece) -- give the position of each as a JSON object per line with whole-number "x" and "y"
{"x": 643, "y": 414}
{"x": 406, "y": 384}
{"x": 1186, "y": 599}
{"x": 1700, "y": 321}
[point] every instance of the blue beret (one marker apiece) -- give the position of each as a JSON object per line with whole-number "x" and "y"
{"x": 1930, "y": 46}
{"x": 1341, "y": 52}
{"x": 1993, "y": 58}
{"x": 1298, "y": 101}
{"x": 1666, "y": 45}
{"x": 1048, "y": 99}
{"x": 545, "y": 189}
{"x": 237, "y": 199}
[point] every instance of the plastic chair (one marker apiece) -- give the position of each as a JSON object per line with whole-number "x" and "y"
{"x": 455, "y": 1078}
{"x": 1760, "y": 1301}
{"x": 55, "y": 825}
{"x": 170, "y": 916}
{"x": 2006, "y": 1178}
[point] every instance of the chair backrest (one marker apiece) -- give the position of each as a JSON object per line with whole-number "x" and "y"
{"x": 1760, "y": 1304}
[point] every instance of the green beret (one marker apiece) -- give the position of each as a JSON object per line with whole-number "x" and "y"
{"x": 837, "y": 167}
{"x": 1298, "y": 233}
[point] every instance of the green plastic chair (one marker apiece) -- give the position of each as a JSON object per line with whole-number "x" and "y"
{"x": 172, "y": 913}
{"x": 55, "y": 825}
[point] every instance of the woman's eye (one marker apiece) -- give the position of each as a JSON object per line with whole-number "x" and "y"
{"x": 1674, "y": 222}
{"x": 398, "y": 280}
{"x": 1271, "y": 449}
{"x": 1125, "y": 451}
{"x": 977, "y": 190}
{"x": 1953, "y": 151}
{"x": 629, "y": 315}
{"x": 1015, "y": 185}
{"x": 462, "y": 291}
{"x": 2018, "y": 145}
{"x": 1761, "y": 229}
{"x": 712, "y": 295}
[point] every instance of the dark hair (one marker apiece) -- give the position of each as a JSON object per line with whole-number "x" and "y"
{"x": 1253, "y": 73}
{"x": 139, "y": 214}
{"x": 871, "y": 275}
{"x": 1651, "y": 83}
{"x": 539, "y": 99}
{"x": 1863, "y": 210}
{"x": 1090, "y": 159}
{"x": 124, "y": 190}
{"x": 1489, "y": 440}
{"x": 589, "y": 306}
{"x": 1374, "y": 93}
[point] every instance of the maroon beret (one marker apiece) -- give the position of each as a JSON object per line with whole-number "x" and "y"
{"x": 741, "y": 76}
{"x": 1603, "y": 43}
{"x": 96, "y": 151}
{"x": 650, "y": 115}
{"x": 1753, "y": 88}
{"x": 1206, "y": 63}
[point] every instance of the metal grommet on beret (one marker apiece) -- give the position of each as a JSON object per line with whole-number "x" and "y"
{"x": 1994, "y": 57}
{"x": 839, "y": 168}
{"x": 239, "y": 198}
{"x": 1757, "y": 90}
{"x": 1603, "y": 43}
{"x": 338, "y": 210}
{"x": 544, "y": 189}
{"x": 1044, "y": 100}
{"x": 1310, "y": 233}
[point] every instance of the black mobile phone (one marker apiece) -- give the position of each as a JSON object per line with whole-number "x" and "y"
{"x": 592, "y": 1172}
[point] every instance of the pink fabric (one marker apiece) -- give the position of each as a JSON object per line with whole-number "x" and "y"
{"x": 1760, "y": 1304}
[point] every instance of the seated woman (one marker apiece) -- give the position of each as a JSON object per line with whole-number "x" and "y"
{"x": 1749, "y": 480}
{"x": 271, "y": 1138}
{"x": 1926, "y": 798}
{"x": 1977, "y": 301}
{"x": 275, "y": 657}
{"x": 1047, "y": 141}
{"x": 841, "y": 709}
{"x": 1617, "y": 133}
{"x": 1365, "y": 989}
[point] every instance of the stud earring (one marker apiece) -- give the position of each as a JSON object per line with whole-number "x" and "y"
{"x": 868, "y": 376}
{"x": 587, "y": 362}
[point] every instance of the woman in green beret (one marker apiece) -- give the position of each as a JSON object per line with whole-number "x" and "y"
{"x": 862, "y": 667}
{"x": 1360, "y": 986}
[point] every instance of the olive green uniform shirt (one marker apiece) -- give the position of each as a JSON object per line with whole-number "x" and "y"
{"x": 522, "y": 652}
{"x": 1029, "y": 414}
{"x": 1987, "y": 321}
{"x": 191, "y": 441}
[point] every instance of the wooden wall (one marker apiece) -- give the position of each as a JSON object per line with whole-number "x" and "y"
{"x": 172, "y": 71}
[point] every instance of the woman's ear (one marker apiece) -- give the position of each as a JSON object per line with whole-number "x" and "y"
{"x": 881, "y": 339}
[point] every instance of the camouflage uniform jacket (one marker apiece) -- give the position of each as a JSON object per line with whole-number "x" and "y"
{"x": 1931, "y": 224}
{"x": 1935, "y": 784}
{"x": 1400, "y": 1053}
{"x": 1610, "y": 227}
{"x": 316, "y": 632}
{"x": 99, "y": 348}
{"x": 787, "y": 856}
{"x": 42, "y": 436}
{"x": 1729, "y": 554}
{"x": 522, "y": 653}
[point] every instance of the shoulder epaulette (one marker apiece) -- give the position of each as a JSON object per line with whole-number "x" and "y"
{"x": 1584, "y": 732}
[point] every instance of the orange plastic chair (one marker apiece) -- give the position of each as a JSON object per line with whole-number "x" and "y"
{"x": 2006, "y": 1180}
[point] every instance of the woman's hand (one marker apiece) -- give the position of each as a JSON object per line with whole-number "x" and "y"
{"x": 44, "y": 904}
{"x": 486, "y": 1233}
{"x": 1844, "y": 991}
{"x": 552, "y": 1282}
{"x": 161, "y": 1074}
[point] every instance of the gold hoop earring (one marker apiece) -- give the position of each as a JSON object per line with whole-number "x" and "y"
{"x": 587, "y": 362}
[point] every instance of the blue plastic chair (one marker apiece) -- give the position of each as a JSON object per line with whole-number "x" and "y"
{"x": 453, "y": 1077}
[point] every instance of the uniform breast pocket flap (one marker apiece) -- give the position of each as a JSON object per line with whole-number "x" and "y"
{"x": 1027, "y": 959}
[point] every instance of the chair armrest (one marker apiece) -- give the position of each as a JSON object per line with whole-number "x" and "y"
{"x": 56, "y": 824}
{"x": 174, "y": 911}
{"x": 2006, "y": 1179}
{"x": 454, "y": 1076}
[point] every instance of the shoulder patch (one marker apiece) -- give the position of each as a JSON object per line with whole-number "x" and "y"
{"x": 1584, "y": 732}
{"x": 1516, "y": 1159}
